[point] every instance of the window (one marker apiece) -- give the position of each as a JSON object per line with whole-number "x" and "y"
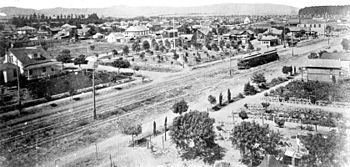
{"x": 14, "y": 73}
{"x": 319, "y": 25}
{"x": 44, "y": 69}
{"x": 30, "y": 72}
{"x": 52, "y": 69}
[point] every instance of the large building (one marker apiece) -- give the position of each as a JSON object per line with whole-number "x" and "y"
{"x": 137, "y": 31}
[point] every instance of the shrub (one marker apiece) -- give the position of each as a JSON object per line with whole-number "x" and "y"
{"x": 280, "y": 122}
{"x": 243, "y": 115}
{"x": 249, "y": 89}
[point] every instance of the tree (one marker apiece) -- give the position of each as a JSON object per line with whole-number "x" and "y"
{"x": 249, "y": 89}
{"x": 145, "y": 45}
{"x": 255, "y": 141}
{"x": 136, "y": 68}
{"x": 243, "y": 115}
{"x": 136, "y": 46}
{"x": 215, "y": 47}
{"x": 120, "y": 63}
{"x": 126, "y": 50}
{"x": 222, "y": 44}
{"x": 258, "y": 78}
{"x": 325, "y": 150}
{"x": 80, "y": 60}
{"x": 280, "y": 122}
{"x": 92, "y": 47}
{"x": 220, "y": 99}
{"x": 130, "y": 128}
{"x": 250, "y": 45}
{"x": 153, "y": 43}
{"x": 114, "y": 52}
{"x": 167, "y": 43}
{"x": 265, "y": 105}
{"x": 211, "y": 100}
{"x": 345, "y": 44}
{"x": 180, "y": 107}
{"x": 165, "y": 127}
{"x": 193, "y": 133}
{"x": 229, "y": 95}
{"x": 64, "y": 56}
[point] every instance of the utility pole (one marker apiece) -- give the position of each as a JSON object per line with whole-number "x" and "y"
{"x": 93, "y": 87}
{"x": 18, "y": 87}
{"x": 292, "y": 44}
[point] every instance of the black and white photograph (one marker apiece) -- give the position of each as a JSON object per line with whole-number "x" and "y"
{"x": 154, "y": 83}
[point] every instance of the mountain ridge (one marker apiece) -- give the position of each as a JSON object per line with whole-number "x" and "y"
{"x": 131, "y": 11}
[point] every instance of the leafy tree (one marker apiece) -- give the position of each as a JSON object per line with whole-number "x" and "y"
{"x": 80, "y": 60}
{"x": 258, "y": 78}
{"x": 153, "y": 43}
{"x": 180, "y": 107}
{"x": 325, "y": 150}
{"x": 136, "y": 46}
{"x": 220, "y": 99}
{"x": 250, "y": 45}
{"x": 193, "y": 133}
{"x": 126, "y": 50}
{"x": 136, "y": 68}
{"x": 345, "y": 44}
{"x": 114, "y": 52}
{"x": 167, "y": 43}
{"x": 212, "y": 100}
{"x": 249, "y": 89}
{"x": 92, "y": 47}
{"x": 132, "y": 129}
{"x": 243, "y": 115}
{"x": 156, "y": 47}
{"x": 255, "y": 141}
{"x": 222, "y": 44}
{"x": 162, "y": 48}
{"x": 280, "y": 122}
{"x": 154, "y": 128}
{"x": 215, "y": 47}
{"x": 120, "y": 63}
{"x": 145, "y": 45}
{"x": 64, "y": 56}
{"x": 229, "y": 95}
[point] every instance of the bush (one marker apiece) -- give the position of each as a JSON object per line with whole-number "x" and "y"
{"x": 249, "y": 89}
{"x": 280, "y": 122}
{"x": 243, "y": 115}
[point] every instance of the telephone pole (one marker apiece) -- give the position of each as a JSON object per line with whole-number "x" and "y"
{"x": 18, "y": 87}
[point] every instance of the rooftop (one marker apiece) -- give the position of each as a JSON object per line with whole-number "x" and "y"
{"x": 136, "y": 28}
{"x": 323, "y": 63}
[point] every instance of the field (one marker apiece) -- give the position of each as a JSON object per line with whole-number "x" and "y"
{"x": 83, "y": 47}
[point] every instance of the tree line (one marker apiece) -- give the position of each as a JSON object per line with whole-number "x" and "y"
{"x": 324, "y": 10}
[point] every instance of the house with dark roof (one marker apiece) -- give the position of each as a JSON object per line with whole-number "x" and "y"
{"x": 344, "y": 59}
{"x": 33, "y": 62}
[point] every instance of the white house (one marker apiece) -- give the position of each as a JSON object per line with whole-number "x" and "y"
{"x": 115, "y": 37}
{"x": 137, "y": 31}
{"x": 246, "y": 20}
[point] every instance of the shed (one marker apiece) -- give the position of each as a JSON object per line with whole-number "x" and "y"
{"x": 323, "y": 70}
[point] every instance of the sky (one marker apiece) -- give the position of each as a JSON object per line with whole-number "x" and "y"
{"x": 40, "y": 4}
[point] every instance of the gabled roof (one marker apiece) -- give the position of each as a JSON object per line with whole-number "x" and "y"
{"x": 22, "y": 55}
{"x": 273, "y": 31}
{"x": 136, "y": 28}
{"x": 204, "y": 31}
{"x": 323, "y": 63}
{"x": 26, "y": 28}
{"x": 297, "y": 29}
{"x": 268, "y": 38}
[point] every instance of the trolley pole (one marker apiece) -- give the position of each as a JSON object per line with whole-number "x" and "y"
{"x": 93, "y": 92}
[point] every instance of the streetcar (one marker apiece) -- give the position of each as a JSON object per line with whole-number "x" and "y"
{"x": 257, "y": 59}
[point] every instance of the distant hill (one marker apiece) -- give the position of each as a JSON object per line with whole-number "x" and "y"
{"x": 128, "y": 11}
{"x": 325, "y": 10}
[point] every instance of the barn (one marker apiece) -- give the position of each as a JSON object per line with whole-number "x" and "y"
{"x": 323, "y": 70}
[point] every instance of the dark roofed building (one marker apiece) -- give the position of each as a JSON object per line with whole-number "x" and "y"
{"x": 33, "y": 62}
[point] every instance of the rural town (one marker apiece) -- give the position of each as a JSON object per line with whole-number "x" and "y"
{"x": 207, "y": 84}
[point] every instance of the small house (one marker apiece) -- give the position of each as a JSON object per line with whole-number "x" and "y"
{"x": 325, "y": 70}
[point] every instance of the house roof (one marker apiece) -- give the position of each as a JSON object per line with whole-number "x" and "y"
{"x": 268, "y": 38}
{"x": 336, "y": 56}
{"x": 42, "y": 64}
{"x": 115, "y": 34}
{"x": 25, "y": 28}
{"x": 136, "y": 28}
{"x": 273, "y": 31}
{"x": 323, "y": 63}
{"x": 22, "y": 55}
{"x": 294, "y": 21}
{"x": 205, "y": 31}
{"x": 297, "y": 29}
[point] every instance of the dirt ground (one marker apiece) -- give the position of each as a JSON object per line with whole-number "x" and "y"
{"x": 117, "y": 148}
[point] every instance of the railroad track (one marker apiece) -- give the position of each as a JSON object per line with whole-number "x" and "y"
{"x": 104, "y": 102}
